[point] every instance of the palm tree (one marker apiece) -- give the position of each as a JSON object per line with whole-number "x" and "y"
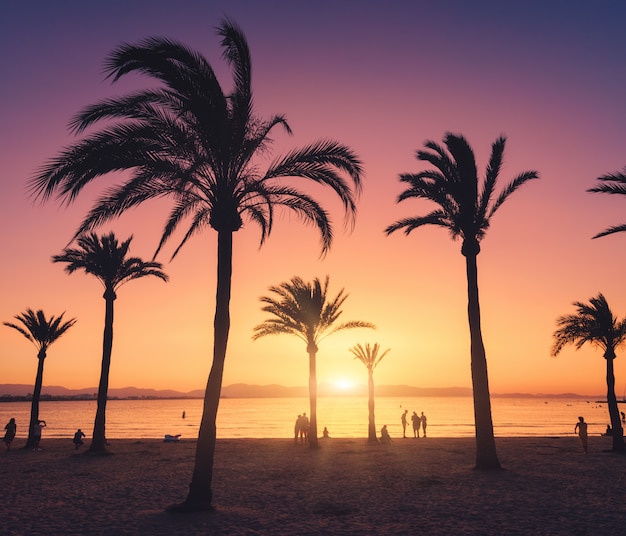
{"x": 611, "y": 183}
{"x": 466, "y": 206}
{"x": 42, "y": 332}
{"x": 306, "y": 311}
{"x": 105, "y": 258}
{"x": 370, "y": 358}
{"x": 193, "y": 143}
{"x": 595, "y": 323}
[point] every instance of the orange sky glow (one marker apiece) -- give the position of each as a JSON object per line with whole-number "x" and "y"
{"x": 550, "y": 76}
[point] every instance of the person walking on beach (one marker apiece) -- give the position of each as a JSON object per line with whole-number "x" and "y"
{"x": 423, "y": 419}
{"x": 37, "y": 428}
{"x": 9, "y": 434}
{"x": 404, "y": 422}
{"x": 581, "y": 428}
{"x": 78, "y": 438}
{"x": 415, "y": 420}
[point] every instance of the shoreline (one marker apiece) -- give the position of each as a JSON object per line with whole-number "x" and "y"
{"x": 273, "y": 486}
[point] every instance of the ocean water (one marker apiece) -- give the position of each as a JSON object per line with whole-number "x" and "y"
{"x": 343, "y": 416}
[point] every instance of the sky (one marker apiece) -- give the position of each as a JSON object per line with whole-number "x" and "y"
{"x": 381, "y": 77}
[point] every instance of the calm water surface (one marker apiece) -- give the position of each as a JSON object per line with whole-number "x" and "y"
{"x": 344, "y": 417}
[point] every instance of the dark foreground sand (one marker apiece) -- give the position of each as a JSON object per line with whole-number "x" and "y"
{"x": 274, "y": 487}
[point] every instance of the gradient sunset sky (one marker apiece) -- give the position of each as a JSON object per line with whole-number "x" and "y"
{"x": 382, "y": 77}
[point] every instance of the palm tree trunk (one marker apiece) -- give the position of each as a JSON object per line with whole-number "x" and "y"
{"x": 371, "y": 428}
{"x": 312, "y": 435}
{"x": 34, "y": 405}
{"x": 98, "y": 441}
{"x": 200, "y": 492}
{"x": 616, "y": 424}
{"x": 486, "y": 456}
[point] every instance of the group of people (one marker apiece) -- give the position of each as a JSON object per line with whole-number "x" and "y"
{"x": 10, "y": 430}
{"x": 418, "y": 422}
{"x": 301, "y": 429}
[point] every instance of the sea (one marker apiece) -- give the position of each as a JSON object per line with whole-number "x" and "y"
{"x": 345, "y": 417}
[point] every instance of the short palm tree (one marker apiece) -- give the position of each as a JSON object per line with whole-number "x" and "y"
{"x": 370, "y": 357}
{"x": 466, "y": 206}
{"x": 106, "y": 259}
{"x": 305, "y": 310}
{"x": 611, "y": 183}
{"x": 595, "y": 323}
{"x": 42, "y": 332}
{"x": 190, "y": 141}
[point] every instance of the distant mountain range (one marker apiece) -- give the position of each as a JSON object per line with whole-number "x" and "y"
{"x": 243, "y": 390}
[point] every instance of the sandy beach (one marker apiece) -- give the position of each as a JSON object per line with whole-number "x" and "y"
{"x": 272, "y": 486}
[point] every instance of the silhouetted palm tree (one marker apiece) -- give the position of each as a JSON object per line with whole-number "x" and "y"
{"x": 197, "y": 145}
{"x": 595, "y": 323}
{"x": 105, "y": 259}
{"x": 306, "y": 311}
{"x": 42, "y": 332}
{"x": 612, "y": 183}
{"x": 466, "y": 206}
{"x": 370, "y": 358}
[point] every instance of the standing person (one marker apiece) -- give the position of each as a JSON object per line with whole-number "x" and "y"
{"x": 404, "y": 422}
{"x": 423, "y": 419}
{"x": 304, "y": 429}
{"x": 9, "y": 435}
{"x": 78, "y": 438}
{"x": 296, "y": 428}
{"x": 415, "y": 420}
{"x": 581, "y": 428}
{"x": 37, "y": 428}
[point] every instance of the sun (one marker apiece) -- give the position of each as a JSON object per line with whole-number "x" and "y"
{"x": 344, "y": 384}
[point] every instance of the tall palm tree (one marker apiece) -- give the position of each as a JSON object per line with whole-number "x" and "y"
{"x": 106, "y": 259}
{"x": 305, "y": 310}
{"x": 370, "y": 358}
{"x": 191, "y": 142}
{"x": 42, "y": 332}
{"x": 595, "y": 323}
{"x": 611, "y": 183}
{"x": 466, "y": 206}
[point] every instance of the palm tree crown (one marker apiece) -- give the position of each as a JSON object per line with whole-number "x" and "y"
{"x": 39, "y": 330}
{"x": 304, "y": 309}
{"x": 105, "y": 258}
{"x": 593, "y": 323}
{"x": 190, "y": 141}
{"x": 465, "y": 206}
{"x": 611, "y": 183}
{"x": 369, "y": 355}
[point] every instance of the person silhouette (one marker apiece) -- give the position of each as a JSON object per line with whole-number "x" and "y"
{"x": 9, "y": 435}
{"x": 384, "y": 435}
{"x": 296, "y": 428}
{"x": 423, "y": 419}
{"x": 415, "y": 420}
{"x": 325, "y": 433}
{"x": 78, "y": 439}
{"x": 304, "y": 429}
{"x": 581, "y": 428}
{"x": 37, "y": 429}
{"x": 404, "y": 422}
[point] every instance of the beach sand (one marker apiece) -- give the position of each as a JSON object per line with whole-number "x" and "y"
{"x": 274, "y": 487}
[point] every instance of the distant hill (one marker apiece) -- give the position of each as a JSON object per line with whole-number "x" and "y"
{"x": 243, "y": 390}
